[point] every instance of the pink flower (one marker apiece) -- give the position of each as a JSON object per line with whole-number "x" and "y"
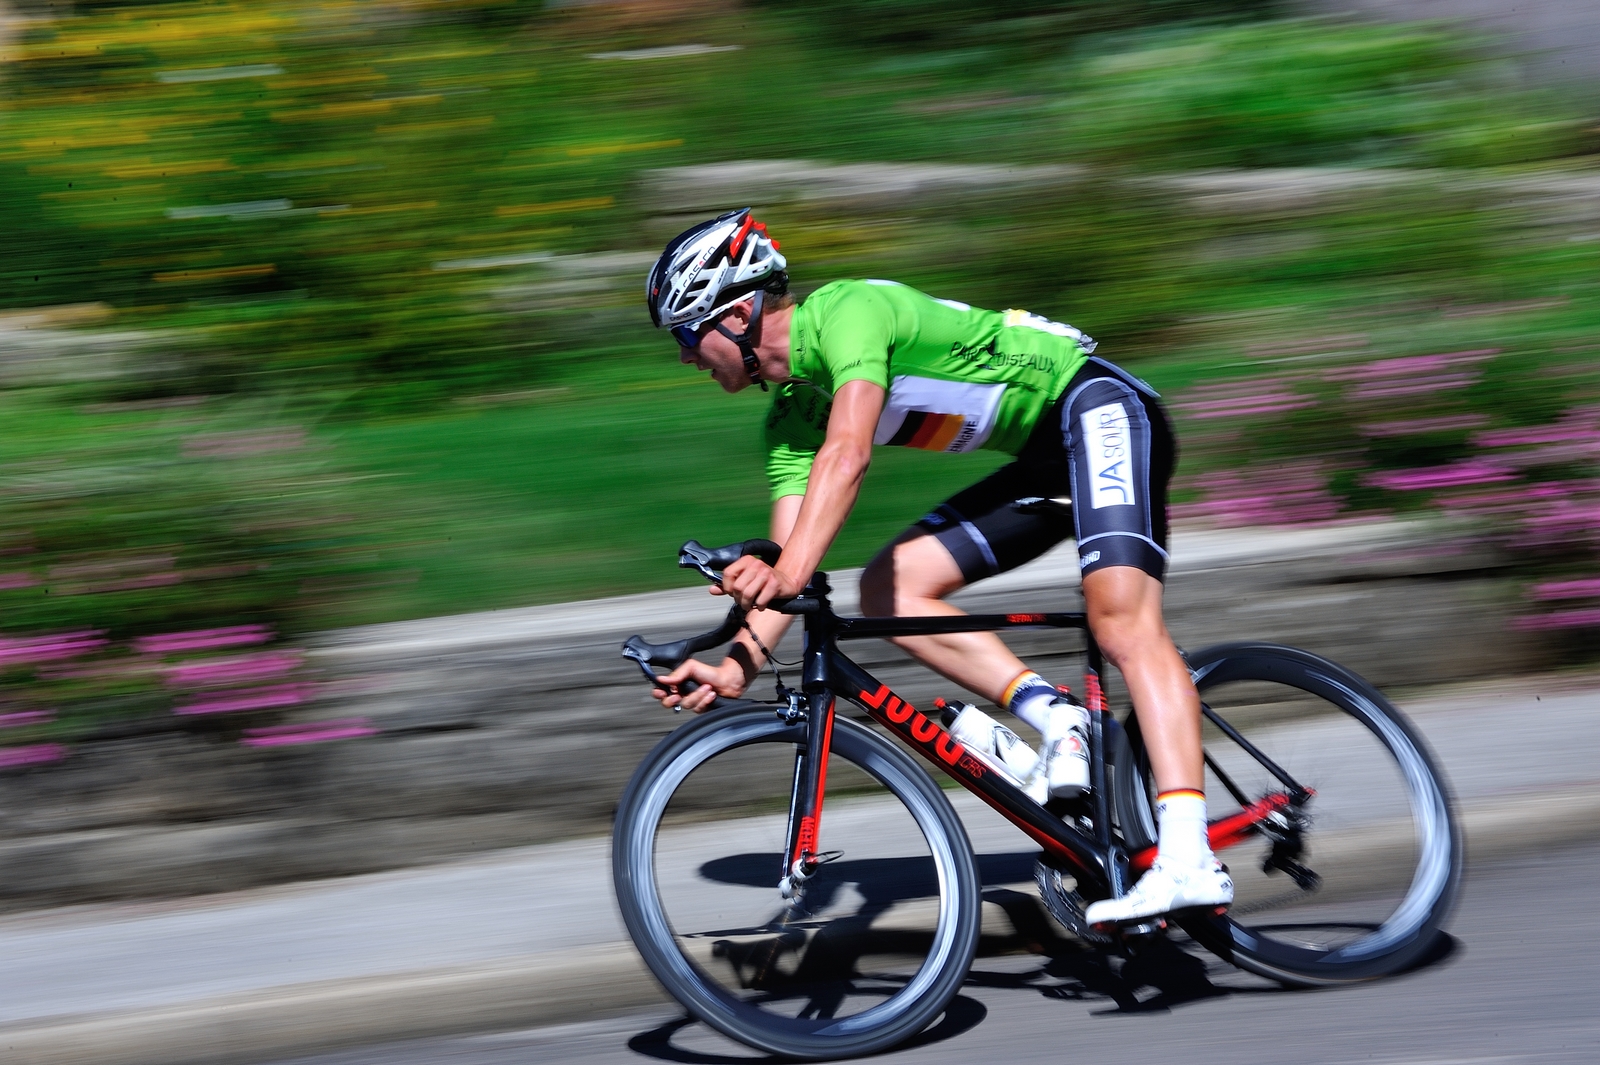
{"x": 1242, "y": 398}
{"x": 47, "y": 648}
{"x": 1578, "y": 589}
{"x": 1243, "y": 406}
{"x": 23, "y": 718}
{"x": 1415, "y": 426}
{"x": 1560, "y": 619}
{"x": 202, "y": 639}
{"x": 268, "y": 698}
{"x": 9, "y": 581}
{"x": 1410, "y": 365}
{"x": 35, "y": 754}
{"x": 242, "y": 668}
{"x": 308, "y": 732}
{"x": 1460, "y": 473}
{"x": 1411, "y": 375}
{"x": 1389, "y": 390}
{"x": 1540, "y": 434}
{"x": 1291, "y": 494}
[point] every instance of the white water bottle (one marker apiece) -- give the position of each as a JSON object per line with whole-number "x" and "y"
{"x": 998, "y": 747}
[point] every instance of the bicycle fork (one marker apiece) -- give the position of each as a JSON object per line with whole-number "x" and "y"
{"x": 802, "y": 856}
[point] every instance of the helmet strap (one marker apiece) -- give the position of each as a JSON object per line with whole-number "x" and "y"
{"x": 748, "y": 340}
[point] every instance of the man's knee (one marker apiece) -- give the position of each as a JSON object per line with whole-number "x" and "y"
{"x": 1124, "y": 606}
{"x": 877, "y": 585}
{"x": 913, "y": 569}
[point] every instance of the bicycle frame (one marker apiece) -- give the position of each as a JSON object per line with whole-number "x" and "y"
{"x": 1101, "y": 861}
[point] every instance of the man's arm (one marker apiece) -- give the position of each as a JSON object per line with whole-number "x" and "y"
{"x": 744, "y": 661}
{"x": 831, "y": 491}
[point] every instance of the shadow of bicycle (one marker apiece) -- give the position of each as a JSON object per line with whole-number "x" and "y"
{"x": 823, "y": 965}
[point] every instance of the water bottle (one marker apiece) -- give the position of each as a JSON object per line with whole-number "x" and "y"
{"x": 996, "y": 746}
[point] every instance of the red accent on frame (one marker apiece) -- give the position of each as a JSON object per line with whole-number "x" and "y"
{"x": 876, "y": 699}
{"x": 811, "y": 824}
{"x": 1095, "y": 696}
{"x": 923, "y": 730}
{"x": 806, "y": 843}
{"x": 1024, "y": 619}
{"x": 948, "y": 750}
{"x": 944, "y": 749}
{"x": 1226, "y": 832}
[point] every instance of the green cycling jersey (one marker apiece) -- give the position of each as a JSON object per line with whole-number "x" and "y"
{"x": 956, "y": 378}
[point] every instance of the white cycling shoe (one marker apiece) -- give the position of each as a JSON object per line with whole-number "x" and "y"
{"x": 1164, "y": 889}
{"x": 1066, "y": 750}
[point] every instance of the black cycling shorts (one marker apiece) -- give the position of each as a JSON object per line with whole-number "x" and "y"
{"x": 1107, "y": 444}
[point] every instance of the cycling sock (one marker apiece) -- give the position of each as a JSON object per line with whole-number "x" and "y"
{"x": 1029, "y": 697}
{"x": 1181, "y": 821}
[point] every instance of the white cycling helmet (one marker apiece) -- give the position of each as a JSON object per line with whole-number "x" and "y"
{"x": 707, "y": 269}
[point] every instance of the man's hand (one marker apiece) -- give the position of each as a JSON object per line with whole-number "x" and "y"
{"x": 753, "y": 584}
{"x": 726, "y": 680}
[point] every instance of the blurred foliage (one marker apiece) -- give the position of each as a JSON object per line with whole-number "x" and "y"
{"x": 120, "y": 528}
{"x": 417, "y": 227}
{"x": 314, "y": 168}
{"x": 902, "y": 23}
{"x": 1310, "y": 93}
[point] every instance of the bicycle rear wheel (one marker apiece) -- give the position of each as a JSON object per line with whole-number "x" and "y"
{"x": 885, "y": 930}
{"x": 1350, "y": 880}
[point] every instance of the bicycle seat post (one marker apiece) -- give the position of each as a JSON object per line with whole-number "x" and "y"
{"x": 1116, "y": 856}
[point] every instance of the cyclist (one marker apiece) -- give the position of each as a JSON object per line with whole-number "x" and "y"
{"x": 864, "y": 363}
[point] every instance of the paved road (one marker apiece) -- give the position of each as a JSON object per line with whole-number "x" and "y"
{"x": 1519, "y": 986}
{"x": 529, "y": 936}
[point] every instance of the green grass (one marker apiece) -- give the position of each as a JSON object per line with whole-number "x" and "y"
{"x": 587, "y": 493}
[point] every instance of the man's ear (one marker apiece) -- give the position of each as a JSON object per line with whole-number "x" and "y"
{"x": 741, "y": 312}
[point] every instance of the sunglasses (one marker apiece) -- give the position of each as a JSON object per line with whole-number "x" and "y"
{"x": 687, "y": 336}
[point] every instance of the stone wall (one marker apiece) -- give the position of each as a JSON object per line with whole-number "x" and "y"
{"x": 522, "y": 726}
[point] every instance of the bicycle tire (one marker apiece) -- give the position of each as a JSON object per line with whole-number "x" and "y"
{"x": 792, "y": 1006}
{"x": 1381, "y": 831}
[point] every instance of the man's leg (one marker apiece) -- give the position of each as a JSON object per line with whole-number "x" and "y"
{"x": 1124, "y": 606}
{"x": 910, "y": 578}
{"x": 1120, "y": 452}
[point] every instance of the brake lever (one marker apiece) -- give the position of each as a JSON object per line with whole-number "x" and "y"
{"x": 693, "y": 556}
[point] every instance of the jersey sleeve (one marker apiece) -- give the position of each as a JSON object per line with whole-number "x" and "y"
{"x": 796, "y": 426}
{"x": 857, "y": 336}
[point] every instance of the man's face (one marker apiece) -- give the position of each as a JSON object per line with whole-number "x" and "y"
{"x": 718, "y": 355}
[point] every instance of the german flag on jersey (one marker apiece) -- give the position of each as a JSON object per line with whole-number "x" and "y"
{"x": 928, "y": 430}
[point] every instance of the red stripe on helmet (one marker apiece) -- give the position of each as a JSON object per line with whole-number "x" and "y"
{"x": 737, "y": 240}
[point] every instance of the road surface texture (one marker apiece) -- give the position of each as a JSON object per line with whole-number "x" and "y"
{"x": 531, "y": 937}
{"x": 1517, "y": 987}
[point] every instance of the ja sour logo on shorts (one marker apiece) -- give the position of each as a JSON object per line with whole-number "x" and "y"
{"x": 1105, "y": 435}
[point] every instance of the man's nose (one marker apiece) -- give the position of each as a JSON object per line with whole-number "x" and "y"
{"x": 685, "y": 355}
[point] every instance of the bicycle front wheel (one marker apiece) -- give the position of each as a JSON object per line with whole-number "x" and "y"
{"x": 882, "y": 936}
{"x": 1354, "y": 870}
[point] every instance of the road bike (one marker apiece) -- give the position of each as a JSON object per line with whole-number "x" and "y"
{"x": 820, "y": 938}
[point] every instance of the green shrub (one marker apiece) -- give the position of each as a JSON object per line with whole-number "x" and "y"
{"x": 1307, "y": 93}
{"x": 198, "y": 522}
